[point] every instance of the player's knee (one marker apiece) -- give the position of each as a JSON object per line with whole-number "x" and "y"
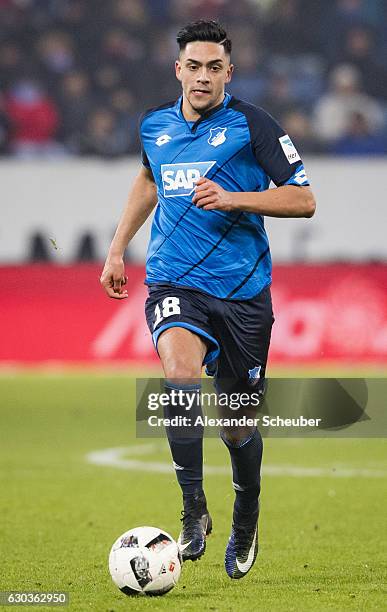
{"x": 229, "y": 437}
{"x": 181, "y": 372}
{"x": 235, "y": 436}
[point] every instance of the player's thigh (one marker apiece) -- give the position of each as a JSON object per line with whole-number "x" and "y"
{"x": 244, "y": 331}
{"x": 179, "y": 322}
{"x": 182, "y": 353}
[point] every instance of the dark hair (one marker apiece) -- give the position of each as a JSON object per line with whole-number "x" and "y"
{"x": 206, "y": 31}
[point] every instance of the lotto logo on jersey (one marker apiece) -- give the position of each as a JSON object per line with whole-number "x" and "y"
{"x": 289, "y": 149}
{"x": 180, "y": 179}
{"x": 300, "y": 177}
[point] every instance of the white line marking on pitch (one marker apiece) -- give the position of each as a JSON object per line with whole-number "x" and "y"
{"x": 118, "y": 458}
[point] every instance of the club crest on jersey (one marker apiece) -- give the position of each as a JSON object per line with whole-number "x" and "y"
{"x": 254, "y": 374}
{"x": 217, "y": 136}
{"x": 180, "y": 179}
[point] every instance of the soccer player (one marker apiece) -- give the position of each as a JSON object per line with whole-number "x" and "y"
{"x": 207, "y": 162}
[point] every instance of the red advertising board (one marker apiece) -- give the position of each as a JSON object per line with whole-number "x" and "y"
{"x": 60, "y": 314}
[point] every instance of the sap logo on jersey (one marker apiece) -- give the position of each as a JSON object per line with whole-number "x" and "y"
{"x": 180, "y": 179}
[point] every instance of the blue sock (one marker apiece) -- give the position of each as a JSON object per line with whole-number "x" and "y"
{"x": 246, "y": 458}
{"x": 186, "y": 443}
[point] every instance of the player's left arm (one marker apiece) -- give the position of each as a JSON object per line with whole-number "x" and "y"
{"x": 286, "y": 201}
{"x": 275, "y": 153}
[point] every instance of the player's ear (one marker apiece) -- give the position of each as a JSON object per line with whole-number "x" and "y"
{"x": 229, "y": 73}
{"x": 178, "y": 69}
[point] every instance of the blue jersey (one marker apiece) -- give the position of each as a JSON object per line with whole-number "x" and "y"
{"x": 240, "y": 147}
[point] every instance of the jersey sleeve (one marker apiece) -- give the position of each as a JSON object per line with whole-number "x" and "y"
{"x": 144, "y": 157}
{"x": 274, "y": 150}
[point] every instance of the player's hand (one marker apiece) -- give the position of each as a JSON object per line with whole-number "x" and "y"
{"x": 211, "y": 196}
{"x": 113, "y": 279}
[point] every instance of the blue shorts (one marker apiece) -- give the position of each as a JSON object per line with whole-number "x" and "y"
{"x": 237, "y": 333}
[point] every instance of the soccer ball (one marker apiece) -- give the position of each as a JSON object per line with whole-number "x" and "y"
{"x": 145, "y": 560}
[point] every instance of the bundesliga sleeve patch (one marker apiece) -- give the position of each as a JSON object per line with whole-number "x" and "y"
{"x": 289, "y": 149}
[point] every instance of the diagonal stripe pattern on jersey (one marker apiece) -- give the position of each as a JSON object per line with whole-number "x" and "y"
{"x": 222, "y": 253}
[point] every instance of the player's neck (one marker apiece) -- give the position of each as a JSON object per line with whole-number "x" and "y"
{"x": 190, "y": 114}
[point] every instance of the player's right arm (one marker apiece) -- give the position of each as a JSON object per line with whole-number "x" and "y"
{"x": 142, "y": 200}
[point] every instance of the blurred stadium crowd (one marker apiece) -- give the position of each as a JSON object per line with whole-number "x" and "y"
{"x": 76, "y": 74}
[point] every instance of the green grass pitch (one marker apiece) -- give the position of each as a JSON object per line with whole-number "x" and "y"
{"x": 322, "y": 538}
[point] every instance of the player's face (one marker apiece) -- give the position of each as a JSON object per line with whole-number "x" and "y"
{"x": 203, "y": 69}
